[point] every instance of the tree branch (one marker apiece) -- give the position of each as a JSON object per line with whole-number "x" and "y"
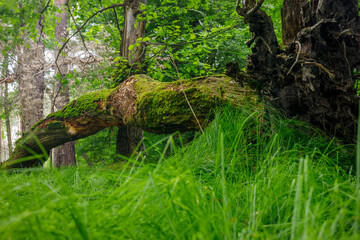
{"x": 81, "y": 27}
{"x": 81, "y": 36}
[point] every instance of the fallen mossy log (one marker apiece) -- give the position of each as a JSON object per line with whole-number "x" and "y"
{"x": 158, "y": 107}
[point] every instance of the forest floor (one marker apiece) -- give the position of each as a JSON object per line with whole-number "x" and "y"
{"x": 242, "y": 179}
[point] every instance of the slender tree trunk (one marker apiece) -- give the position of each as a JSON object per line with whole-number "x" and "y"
{"x": 4, "y": 148}
{"x": 65, "y": 154}
{"x": 5, "y": 72}
{"x": 1, "y": 148}
{"x": 129, "y": 137}
{"x": 7, "y": 116}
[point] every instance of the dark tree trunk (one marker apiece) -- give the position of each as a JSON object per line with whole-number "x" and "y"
{"x": 314, "y": 78}
{"x": 128, "y": 137}
{"x": 63, "y": 155}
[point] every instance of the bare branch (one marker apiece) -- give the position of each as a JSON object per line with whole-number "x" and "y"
{"x": 319, "y": 65}
{"x": 297, "y": 58}
{"x": 9, "y": 79}
{"x": 312, "y": 28}
{"x": 117, "y": 22}
{"x": 77, "y": 27}
{"x": 81, "y": 27}
{"x": 46, "y": 6}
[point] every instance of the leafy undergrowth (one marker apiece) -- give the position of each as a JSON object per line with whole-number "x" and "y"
{"x": 243, "y": 179}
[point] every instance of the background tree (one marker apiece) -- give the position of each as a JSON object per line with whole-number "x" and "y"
{"x": 203, "y": 37}
{"x": 65, "y": 154}
{"x": 133, "y": 54}
{"x": 30, "y": 68}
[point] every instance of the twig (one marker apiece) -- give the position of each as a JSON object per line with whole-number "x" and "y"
{"x": 82, "y": 26}
{"x": 117, "y": 22}
{"x": 267, "y": 45}
{"x": 250, "y": 41}
{"x": 186, "y": 98}
{"x": 312, "y": 28}
{"x": 297, "y": 58}
{"x": 46, "y": 6}
{"x": 42, "y": 18}
{"x": 319, "y": 65}
{"x": 9, "y": 79}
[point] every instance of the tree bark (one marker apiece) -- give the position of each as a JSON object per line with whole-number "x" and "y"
{"x": 129, "y": 137}
{"x": 7, "y": 116}
{"x": 140, "y": 102}
{"x": 65, "y": 154}
{"x": 5, "y": 72}
{"x": 313, "y": 79}
{"x": 1, "y": 148}
{"x": 31, "y": 80}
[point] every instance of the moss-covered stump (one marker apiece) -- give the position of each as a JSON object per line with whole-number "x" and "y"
{"x": 139, "y": 101}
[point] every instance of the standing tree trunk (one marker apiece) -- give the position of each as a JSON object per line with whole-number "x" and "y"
{"x": 65, "y": 154}
{"x": 31, "y": 80}
{"x": 129, "y": 137}
{"x": 1, "y": 148}
{"x": 314, "y": 78}
{"x": 7, "y": 117}
{"x": 5, "y": 73}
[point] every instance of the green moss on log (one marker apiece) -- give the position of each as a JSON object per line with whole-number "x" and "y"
{"x": 88, "y": 103}
{"x": 162, "y": 107}
{"x": 55, "y": 125}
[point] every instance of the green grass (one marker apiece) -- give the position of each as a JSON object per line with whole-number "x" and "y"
{"x": 243, "y": 179}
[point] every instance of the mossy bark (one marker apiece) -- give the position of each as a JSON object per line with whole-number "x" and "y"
{"x": 314, "y": 77}
{"x": 140, "y": 102}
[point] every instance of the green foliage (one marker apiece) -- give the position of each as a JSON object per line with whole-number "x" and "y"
{"x": 100, "y": 148}
{"x": 240, "y": 180}
{"x": 193, "y": 38}
{"x": 273, "y": 9}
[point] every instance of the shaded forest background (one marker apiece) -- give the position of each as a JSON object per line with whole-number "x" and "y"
{"x": 182, "y": 40}
{"x": 286, "y": 170}
{"x": 54, "y": 52}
